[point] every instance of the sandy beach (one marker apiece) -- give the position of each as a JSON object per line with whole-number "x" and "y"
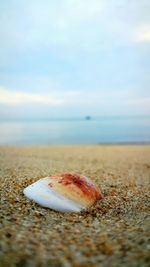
{"x": 115, "y": 232}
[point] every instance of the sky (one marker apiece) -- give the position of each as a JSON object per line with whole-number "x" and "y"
{"x": 72, "y": 58}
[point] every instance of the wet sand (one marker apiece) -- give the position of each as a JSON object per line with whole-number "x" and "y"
{"x": 115, "y": 232}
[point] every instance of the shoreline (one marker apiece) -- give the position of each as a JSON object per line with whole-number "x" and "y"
{"x": 78, "y": 144}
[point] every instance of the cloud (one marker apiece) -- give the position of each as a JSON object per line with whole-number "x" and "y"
{"x": 143, "y": 102}
{"x": 87, "y": 51}
{"x": 62, "y": 103}
{"x": 45, "y": 23}
{"x": 73, "y": 23}
{"x": 142, "y": 35}
{"x": 18, "y": 97}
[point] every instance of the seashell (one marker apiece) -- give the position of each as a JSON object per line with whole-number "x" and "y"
{"x": 67, "y": 192}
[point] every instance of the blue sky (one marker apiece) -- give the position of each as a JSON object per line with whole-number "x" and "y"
{"x": 71, "y": 58}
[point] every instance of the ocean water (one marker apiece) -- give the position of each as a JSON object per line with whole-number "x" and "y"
{"x": 94, "y": 131}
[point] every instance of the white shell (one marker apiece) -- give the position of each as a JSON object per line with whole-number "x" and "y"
{"x": 47, "y": 197}
{"x": 53, "y": 193}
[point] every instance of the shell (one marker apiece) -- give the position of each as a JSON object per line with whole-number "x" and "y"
{"x": 67, "y": 192}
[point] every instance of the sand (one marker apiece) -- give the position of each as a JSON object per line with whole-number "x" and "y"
{"x": 115, "y": 232}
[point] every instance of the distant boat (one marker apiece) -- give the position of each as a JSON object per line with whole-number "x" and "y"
{"x": 88, "y": 118}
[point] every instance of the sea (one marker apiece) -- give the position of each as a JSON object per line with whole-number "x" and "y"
{"x": 104, "y": 130}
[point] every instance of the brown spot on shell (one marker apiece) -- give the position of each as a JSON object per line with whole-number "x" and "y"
{"x": 78, "y": 186}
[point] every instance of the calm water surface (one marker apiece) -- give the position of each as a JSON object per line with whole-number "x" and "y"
{"x": 111, "y": 130}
